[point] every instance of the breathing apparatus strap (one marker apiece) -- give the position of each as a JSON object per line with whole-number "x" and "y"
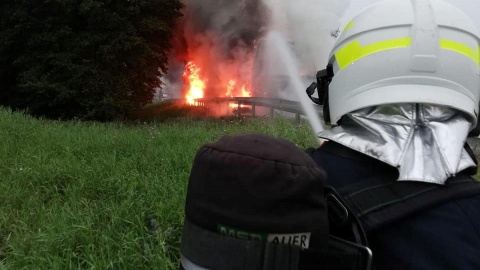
{"x": 378, "y": 202}
{"x": 381, "y": 204}
{"x": 211, "y": 250}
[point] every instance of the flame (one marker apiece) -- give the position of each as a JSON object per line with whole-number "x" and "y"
{"x": 245, "y": 93}
{"x": 231, "y": 89}
{"x": 234, "y": 105}
{"x": 196, "y": 86}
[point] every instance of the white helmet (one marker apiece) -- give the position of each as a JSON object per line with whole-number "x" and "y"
{"x": 406, "y": 51}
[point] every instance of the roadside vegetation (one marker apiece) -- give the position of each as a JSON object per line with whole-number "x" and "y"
{"x": 88, "y": 59}
{"x": 84, "y": 195}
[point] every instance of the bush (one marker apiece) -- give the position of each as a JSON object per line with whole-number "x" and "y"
{"x": 83, "y": 59}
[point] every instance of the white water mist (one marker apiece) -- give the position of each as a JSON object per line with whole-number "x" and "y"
{"x": 307, "y": 24}
{"x": 279, "y": 48}
{"x": 301, "y": 40}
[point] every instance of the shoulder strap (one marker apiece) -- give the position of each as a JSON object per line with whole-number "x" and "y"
{"x": 377, "y": 202}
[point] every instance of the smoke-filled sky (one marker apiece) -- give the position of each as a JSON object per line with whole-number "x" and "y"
{"x": 221, "y": 37}
{"x": 308, "y": 24}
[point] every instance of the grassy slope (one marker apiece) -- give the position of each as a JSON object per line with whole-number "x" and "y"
{"x": 103, "y": 196}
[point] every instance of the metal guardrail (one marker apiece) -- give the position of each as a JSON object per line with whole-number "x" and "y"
{"x": 271, "y": 103}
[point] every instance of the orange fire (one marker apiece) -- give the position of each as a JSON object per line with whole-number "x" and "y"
{"x": 196, "y": 85}
{"x": 231, "y": 90}
{"x": 245, "y": 93}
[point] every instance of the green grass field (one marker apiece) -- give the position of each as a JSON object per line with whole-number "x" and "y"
{"x": 104, "y": 196}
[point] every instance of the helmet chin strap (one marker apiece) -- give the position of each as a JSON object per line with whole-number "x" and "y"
{"x": 324, "y": 77}
{"x": 425, "y": 142}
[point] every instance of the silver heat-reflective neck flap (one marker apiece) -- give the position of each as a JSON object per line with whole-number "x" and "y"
{"x": 425, "y": 142}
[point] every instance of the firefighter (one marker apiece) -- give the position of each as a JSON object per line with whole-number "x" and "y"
{"x": 401, "y": 92}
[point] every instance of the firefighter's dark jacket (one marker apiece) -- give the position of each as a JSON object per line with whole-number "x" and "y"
{"x": 445, "y": 235}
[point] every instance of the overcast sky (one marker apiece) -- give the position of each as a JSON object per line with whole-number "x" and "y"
{"x": 470, "y": 7}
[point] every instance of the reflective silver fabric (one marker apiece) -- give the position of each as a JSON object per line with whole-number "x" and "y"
{"x": 425, "y": 142}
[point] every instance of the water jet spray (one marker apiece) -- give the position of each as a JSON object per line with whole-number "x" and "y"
{"x": 278, "y": 47}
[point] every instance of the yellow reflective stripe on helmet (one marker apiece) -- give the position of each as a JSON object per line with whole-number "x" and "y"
{"x": 354, "y": 50}
{"x": 461, "y": 48}
{"x": 349, "y": 25}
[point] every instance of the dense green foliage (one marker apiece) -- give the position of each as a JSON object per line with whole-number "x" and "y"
{"x": 83, "y": 195}
{"x": 86, "y": 59}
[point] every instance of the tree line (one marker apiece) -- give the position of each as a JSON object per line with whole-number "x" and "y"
{"x": 83, "y": 59}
